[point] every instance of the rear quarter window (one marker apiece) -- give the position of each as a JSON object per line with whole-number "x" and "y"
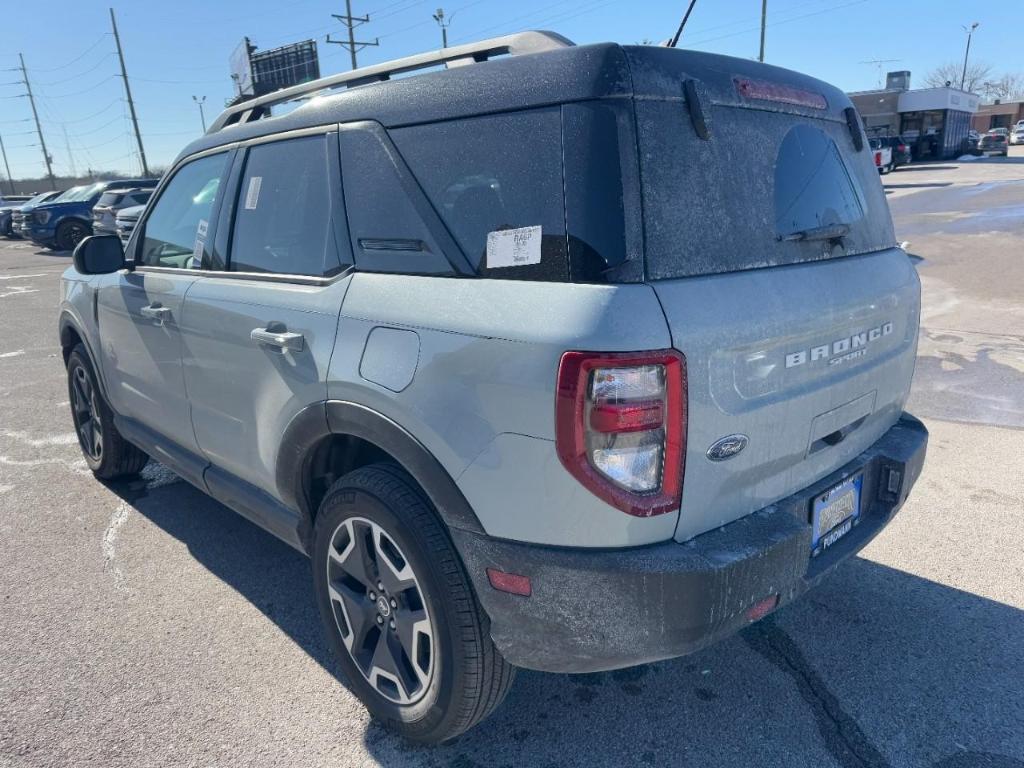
{"x": 487, "y": 174}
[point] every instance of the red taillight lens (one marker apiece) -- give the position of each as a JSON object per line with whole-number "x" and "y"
{"x": 620, "y": 422}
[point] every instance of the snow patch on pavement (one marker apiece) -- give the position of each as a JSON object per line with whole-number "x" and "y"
{"x": 69, "y": 438}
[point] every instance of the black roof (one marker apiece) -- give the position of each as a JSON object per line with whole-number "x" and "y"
{"x": 564, "y": 75}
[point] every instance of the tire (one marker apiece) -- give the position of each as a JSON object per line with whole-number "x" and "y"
{"x": 384, "y": 532}
{"x": 70, "y": 234}
{"x": 108, "y": 454}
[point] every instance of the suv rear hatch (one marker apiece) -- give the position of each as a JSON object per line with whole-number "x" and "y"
{"x": 769, "y": 243}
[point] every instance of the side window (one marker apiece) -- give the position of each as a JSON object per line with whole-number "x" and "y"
{"x": 283, "y": 215}
{"x": 174, "y": 234}
{"x": 485, "y": 175}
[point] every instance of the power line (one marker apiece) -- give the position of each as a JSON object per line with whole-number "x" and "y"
{"x": 78, "y": 58}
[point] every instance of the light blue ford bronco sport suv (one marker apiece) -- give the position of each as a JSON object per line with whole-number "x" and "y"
{"x": 560, "y": 357}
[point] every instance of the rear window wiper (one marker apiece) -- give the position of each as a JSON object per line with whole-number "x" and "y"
{"x": 830, "y": 232}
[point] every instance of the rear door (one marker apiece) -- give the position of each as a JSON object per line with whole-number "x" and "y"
{"x": 770, "y": 246}
{"x": 261, "y": 327}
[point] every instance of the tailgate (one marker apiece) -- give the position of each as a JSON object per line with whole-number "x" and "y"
{"x": 812, "y": 363}
{"x": 768, "y": 240}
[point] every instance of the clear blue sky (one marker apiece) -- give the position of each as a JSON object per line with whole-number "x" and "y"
{"x": 180, "y": 48}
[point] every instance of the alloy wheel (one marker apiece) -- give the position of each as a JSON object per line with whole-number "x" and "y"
{"x": 380, "y": 610}
{"x": 85, "y": 409}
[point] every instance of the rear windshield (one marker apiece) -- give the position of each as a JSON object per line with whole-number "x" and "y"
{"x": 765, "y": 189}
{"x": 813, "y": 188}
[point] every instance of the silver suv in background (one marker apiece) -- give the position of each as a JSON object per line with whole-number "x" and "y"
{"x": 111, "y": 202}
{"x": 126, "y": 220}
{"x": 572, "y": 359}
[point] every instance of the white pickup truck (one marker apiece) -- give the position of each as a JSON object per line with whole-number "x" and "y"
{"x": 882, "y": 156}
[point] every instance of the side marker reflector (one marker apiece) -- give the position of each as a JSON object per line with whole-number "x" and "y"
{"x": 512, "y": 583}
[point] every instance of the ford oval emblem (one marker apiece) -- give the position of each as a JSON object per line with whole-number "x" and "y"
{"x": 727, "y": 447}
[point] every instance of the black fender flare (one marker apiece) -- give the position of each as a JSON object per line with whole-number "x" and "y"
{"x": 321, "y": 420}
{"x": 68, "y": 322}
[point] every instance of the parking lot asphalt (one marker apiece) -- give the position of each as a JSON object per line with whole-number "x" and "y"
{"x": 145, "y": 624}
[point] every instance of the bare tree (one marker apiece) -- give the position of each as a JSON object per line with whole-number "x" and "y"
{"x": 951, "y": 72}
{"x": 1009, "y": 87}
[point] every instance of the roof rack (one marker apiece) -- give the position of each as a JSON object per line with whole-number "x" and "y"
{"x": 459, "y": 55}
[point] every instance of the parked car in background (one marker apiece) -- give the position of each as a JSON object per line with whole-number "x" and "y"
{"x": 11, "y": 218}
{"x": 126, "y": 220}
{"x": 994, "y": 143}
{"x": 65, "y": 222}
{"x": 883, "y": 157}
{"x": 104, "y": 213}
{"x": 673, "y": 403}
{"x": 1017, "y": 134}
{"x": 7, "y": 205}
{"x": 900, "y": 149}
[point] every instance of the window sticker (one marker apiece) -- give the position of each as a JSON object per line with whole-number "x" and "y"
{"x": 197, "y": 250}
{"x": 201, "y": 229}
{"x": 252, "y": 195}
{"x": 513, "y": 247}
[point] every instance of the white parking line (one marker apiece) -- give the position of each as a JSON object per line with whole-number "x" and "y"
{"x": 15, "y": 353}
{"x": 22, "y": 277}
{"x": 18, "y": 290}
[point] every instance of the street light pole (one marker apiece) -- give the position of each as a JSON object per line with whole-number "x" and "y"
{"x": 202, "y": 116}
{"x": 439, "y": 18}
{"x": 970, "y": 32}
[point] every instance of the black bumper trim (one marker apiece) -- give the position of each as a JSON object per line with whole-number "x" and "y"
{"x": 595, "y": 610}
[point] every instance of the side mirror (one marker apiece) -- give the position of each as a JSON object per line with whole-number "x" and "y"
{"x": 99, "y": 255}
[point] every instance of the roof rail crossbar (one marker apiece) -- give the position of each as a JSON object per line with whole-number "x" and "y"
{"x": 459, "y": 55}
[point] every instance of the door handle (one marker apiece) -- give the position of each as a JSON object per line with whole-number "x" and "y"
{"x": 156, "y": 311}
{"x": 281, "y": 339}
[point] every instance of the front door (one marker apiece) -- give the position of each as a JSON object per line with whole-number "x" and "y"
{"x": 140, "y": 312}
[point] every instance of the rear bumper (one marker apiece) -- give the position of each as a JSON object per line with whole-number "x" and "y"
{"x": 605, "y": 609}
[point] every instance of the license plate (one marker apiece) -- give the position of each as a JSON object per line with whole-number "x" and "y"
{"x": 834, "y": 513}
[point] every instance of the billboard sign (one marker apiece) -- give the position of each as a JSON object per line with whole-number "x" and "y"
{"x": 284, "y": 67}
{"x": 241, "y": 68}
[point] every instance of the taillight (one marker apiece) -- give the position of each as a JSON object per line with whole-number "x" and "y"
{"x": 878, "y": 158}
{"x": 620, "y": 426}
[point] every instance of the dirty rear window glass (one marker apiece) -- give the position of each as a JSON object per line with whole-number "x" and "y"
{"x": 813, "y": 189}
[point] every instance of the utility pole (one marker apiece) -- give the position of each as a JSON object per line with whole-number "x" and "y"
{"x": 764, "y": 20}
{"x": 439, "y": 18}
{"x": 10, "y": 181}
{"x": 128, "y": 94}
{"x": 352, "y": 22}
{"x": 39, "y": 129}
{"x": 202, "y": 116}
{"x": 970, "y": 32}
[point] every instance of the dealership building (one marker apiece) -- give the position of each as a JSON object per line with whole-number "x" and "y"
{"x": 1000, "y": 114}
{"x": 933, "y": 121}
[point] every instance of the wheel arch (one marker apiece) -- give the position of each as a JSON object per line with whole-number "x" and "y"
{"x": 328, "y": 439}
{"x": 71, "y": 334}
